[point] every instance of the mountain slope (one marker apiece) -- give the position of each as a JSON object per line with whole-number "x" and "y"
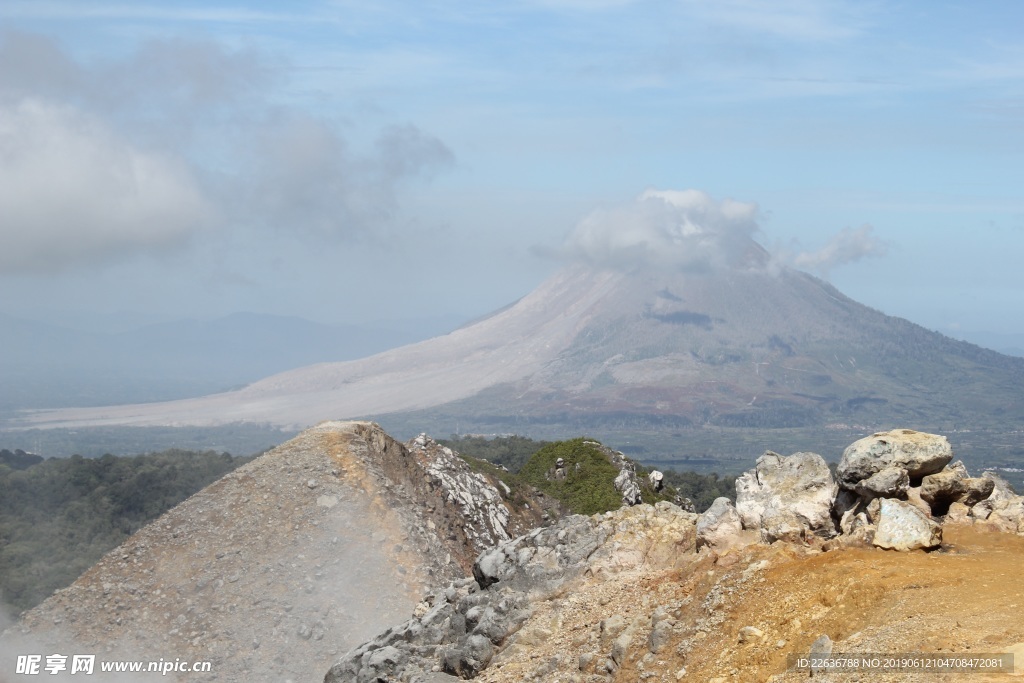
{"x": 733, "y": 348}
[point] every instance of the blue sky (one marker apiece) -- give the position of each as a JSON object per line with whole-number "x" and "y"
{"x": 352, "y": 161}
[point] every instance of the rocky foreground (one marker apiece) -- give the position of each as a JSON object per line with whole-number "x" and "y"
{"x": 802, "y": 562}
{"x": 286, "y": 563}
{"x": 287, "y": 568}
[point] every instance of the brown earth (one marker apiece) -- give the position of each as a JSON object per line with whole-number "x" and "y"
{"x": 964, "y": 599}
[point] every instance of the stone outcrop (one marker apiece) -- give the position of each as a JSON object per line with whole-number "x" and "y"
{"x": 719, "y": 528}
{"x": 787, "y": 498}
{"x": 918, "y": 453}
{"x": 480, "y": 501}
{"x": 627, "y": 485}
{"x": 472, "y": 623}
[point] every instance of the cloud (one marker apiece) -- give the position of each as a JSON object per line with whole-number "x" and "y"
{"x": 72, "y": 191}
{"x": 847, "y": 246}
{"x": 307, "y": 180}
{"x": 102, "y": 161}
{"x": 685, "y": 229}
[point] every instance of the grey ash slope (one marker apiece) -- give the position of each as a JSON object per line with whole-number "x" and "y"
{"x": 287, "y": 562}
{"x": 734, "y": 348}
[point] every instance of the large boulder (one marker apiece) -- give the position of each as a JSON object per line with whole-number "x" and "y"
{"x": 787, "y": 498}
{"x": 901, "y": 526}
{"x": 889, "y": 482}
{"x": 954, "y": 485}
{"x": 719, "y": 527}
{"x": 918, "y": 453}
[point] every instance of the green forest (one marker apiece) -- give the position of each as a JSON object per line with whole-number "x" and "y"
{"x": 59, "y": 516}
{"x": 527, "y": 462}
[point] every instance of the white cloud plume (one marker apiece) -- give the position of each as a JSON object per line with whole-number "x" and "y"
{"x": 73, "y": 191}
{"x": 101, "y": 161}
{"x": 847, "y": 246}
{"x": 307, "y": 180}
{"x": 685, "y": 229}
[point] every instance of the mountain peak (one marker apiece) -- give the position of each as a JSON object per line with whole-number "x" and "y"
{"x": 767, "y": 347}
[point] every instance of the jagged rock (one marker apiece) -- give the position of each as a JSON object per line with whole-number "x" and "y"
{"x": 890, "y": 482}
{"x": 954, "y": 485}
{"x": 900, "y": 526}
{"x": 657, "y": 480}
{"x": 845, "y": 501}
{"x": 469, "y": 658}
{"x": 515, "y": 576}
{"x": 941, "y": 489}
{"x": 1001, "y": 515}
{"x": 918, "y": 453}
{"x": 685, "y": 503}
{"x": 1002, "y": 497}
{"x": 1001, "y": 489}
{"x": 626, "y": 484}
{"x": 719, "y": 527}
{"x": 787, "y": 498}
{"x": 915, "y": 499}
{"x": 957, "y": 513}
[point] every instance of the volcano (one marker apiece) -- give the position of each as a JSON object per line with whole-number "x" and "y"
{"x": 753, "y": 345}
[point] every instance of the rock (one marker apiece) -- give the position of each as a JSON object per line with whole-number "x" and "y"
{"x": 941, "y": 489}
{"x": 845, "y": 501}
{"x": 611, "y": 628}
{"x": 626, "y": 484}
{"x": 656, "y": 479}
{"x": 560, "y": 471}
{"x": 915, "y": 499}
{"x": 953, "y": 485}
{"x": 660, "y": 635}
{"x": 918, "y": 453}
{"x": 957, "y": 513}
{"x": 890, "y": 482}
{"x": 468, "y": 659}
{"x": 750, "y": 634}
{"x": 822, "y": 647}
{"x": 1003, "y": 515}
{"x": 719, "y": 527}
{"x": 469, "y": 626}
{"x": 901, "y": 526}
{"x": 1001, "y": 489}
{"x": 787, "y": 498}
{"x": 976, "y": 489}
{"x": 620, "y": 646}
{"x": 685, "y": 503}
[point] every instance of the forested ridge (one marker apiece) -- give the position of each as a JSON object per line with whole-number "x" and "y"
{"x": 59, "y": 516}
{"x": 528, "y": 460}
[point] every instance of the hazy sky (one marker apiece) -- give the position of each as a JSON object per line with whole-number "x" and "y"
{"x": 355, "y": 161}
